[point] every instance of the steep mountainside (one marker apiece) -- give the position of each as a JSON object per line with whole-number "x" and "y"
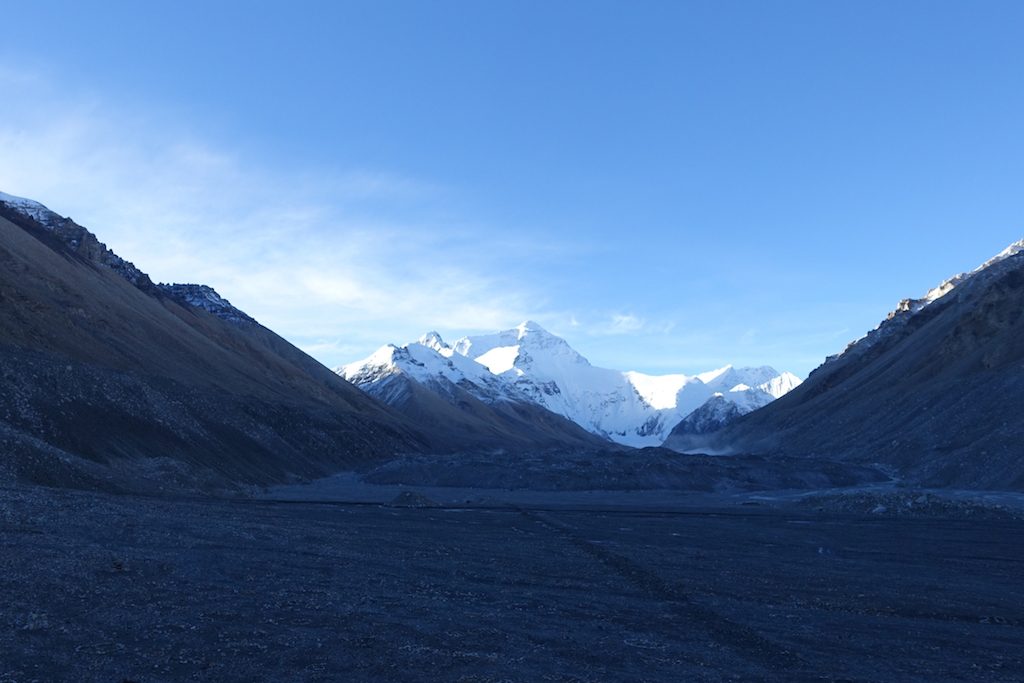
{"x": 110, "y": 379}
{"x": 936, "y": 390}
{"x": 529, "y": 365}
{"x": 445, "y": 392}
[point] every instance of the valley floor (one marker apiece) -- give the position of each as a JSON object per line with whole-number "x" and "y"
{"x": 106, "y": 588}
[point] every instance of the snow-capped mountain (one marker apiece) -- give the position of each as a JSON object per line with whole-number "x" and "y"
{"x": 431, "y": 363}
{"x": 437, "y": 387}
{"x": 529, "y": 364}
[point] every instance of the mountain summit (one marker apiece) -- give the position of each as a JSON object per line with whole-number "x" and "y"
{"x": 528, "y": 364}
{"x": 455, "y": 398}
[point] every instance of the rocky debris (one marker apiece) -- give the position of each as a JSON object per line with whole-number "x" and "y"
{"x": 412, "y": 499}
{"x": 206, "y": 298}
{"x": 102, "y": 588}
{"x": 643, "y": 470}
{"x": 909, "y": 504}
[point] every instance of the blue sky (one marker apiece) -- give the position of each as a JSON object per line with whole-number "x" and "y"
{"x": 671, "y": 186}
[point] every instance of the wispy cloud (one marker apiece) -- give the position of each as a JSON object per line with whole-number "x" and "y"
{"x": 619, "y": 324}
{"x": 625, "y": 324}
{"x": 303, "y": 250}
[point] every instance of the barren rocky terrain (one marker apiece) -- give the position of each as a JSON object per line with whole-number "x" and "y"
{"x": 99, "y": 587}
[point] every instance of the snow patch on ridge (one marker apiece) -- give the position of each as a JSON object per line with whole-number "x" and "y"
{"x": 30, "y": 208}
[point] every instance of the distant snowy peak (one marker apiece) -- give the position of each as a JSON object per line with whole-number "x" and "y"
{"x": 908, "y": 308}
{"x": 433, "y": 340}
{"x": 631, "y": 408}
{"x": 429, "y": 362}
{"x": 514, "y": 350}
{"x": 723, "y": 408}
{"x": 781, "y": 385}
{"x": 724, "y": 379}
{"x": 529, "y": 364}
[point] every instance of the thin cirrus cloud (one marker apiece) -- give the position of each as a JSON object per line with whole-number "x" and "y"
{"x": 305, "y": 252}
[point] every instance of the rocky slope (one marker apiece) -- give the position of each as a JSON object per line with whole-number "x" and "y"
{"x": 112, "y": 380}
{"x": 934, "y": 392}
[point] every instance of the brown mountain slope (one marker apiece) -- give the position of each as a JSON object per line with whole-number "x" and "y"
{"x": 106, "y": 379}
{"x": 938, "y": 395}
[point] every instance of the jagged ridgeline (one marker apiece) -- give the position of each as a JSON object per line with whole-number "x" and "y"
{"x": 529, "y": 367}
{"x": 935, "y": 392}
{"x": 112, "y": 380}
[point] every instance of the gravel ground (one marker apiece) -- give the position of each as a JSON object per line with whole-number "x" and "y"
{"x": 105, "y": 588}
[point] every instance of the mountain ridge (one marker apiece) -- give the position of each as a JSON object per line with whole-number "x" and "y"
{"x": 933, "y": 392}
{"x": 113, "y": 381}
{"x": 527, "y": 363}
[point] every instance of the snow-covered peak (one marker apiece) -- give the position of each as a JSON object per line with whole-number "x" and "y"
{"x": 514, "y": 350}
{"x": 432, "y": 363}
{"x": 433, "y": 340}
{"x": 724, "y": 379}
{"x": 712, "y": 375}
{"x": 382, "y": 360}
{"x": 531, "y": 328}
{"x": 781, "y": 385}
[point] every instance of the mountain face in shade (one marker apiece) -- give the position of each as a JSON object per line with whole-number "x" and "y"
{"x": 936, "y": 391}
{"x": 529, "y": 365}
{"x": 111, "y": 380}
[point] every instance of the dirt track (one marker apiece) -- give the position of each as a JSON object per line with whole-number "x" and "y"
{"x": 101, "y": 588}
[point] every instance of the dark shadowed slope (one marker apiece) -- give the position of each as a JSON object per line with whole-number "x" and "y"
{"x": 108, "y": 377}
{"x": 455, "y": 418}
{"x": 937, "y": 391}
